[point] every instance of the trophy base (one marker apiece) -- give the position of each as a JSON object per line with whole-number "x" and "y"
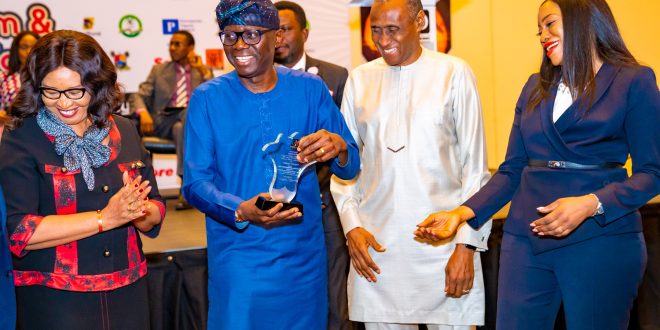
{"x": 264, "y": 204}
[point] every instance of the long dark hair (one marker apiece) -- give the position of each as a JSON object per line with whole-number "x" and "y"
{"x": 14, "y": 58}
{"x": 588, "y": 25}
{"x": 77, "y": 52}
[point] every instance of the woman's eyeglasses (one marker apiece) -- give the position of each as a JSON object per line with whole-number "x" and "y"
{"x": 55, "y": 94}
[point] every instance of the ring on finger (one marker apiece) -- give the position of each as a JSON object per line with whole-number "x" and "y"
{"x": 322, "y": 151}
{"x": 466, "y": 291}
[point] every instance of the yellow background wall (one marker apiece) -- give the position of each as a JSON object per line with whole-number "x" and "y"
{"x": 498, "y": 39}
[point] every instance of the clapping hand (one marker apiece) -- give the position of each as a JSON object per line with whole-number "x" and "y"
{"x": 128, "y": 204}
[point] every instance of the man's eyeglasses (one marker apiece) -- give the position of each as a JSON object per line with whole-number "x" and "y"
{"x": 250, "y": 37}
{"x": 55, "y": 94}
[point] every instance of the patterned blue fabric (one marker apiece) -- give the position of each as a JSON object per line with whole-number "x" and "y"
{"x": 260, "y": 13}
{"x": 80, "y": 153}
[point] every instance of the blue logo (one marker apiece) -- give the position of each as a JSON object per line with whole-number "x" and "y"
{"x": 170, "y": 26}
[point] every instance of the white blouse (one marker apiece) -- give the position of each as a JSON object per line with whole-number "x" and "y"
{"x": 563, "y": 101}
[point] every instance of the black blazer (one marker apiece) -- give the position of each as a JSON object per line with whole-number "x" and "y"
{"x": 333, "y": 75}
{"x": 335, "y": 78}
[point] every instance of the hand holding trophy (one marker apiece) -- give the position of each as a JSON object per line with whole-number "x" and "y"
{"x": 283, "y": 152}
{"x": 290, "y": 157}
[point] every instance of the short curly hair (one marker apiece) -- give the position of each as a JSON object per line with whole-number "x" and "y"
{"x": 80, "y": 53}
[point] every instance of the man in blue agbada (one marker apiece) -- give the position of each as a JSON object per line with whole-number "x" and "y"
{"x": 266, "y": 268}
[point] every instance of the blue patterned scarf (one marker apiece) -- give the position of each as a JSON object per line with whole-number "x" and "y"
{"x": 80, "y": 153}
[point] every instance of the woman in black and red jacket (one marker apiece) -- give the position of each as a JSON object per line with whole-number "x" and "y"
{"x": 79, "y": 187}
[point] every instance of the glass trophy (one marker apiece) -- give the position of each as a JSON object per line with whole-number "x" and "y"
{"x": 286, "y": 172}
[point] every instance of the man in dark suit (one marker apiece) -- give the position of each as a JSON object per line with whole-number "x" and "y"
{"x": 161, "y": 101}
{"x": 291, "y": 53}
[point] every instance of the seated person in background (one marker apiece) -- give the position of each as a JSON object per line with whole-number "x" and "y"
{"x": 10, "y": 81}
{"x": 161, "y": 101}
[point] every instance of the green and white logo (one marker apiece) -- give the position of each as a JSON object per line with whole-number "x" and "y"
{"x": 130, "y": 26}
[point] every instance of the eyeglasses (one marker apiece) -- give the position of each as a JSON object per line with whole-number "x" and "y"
{"x": 250, "y": 37}
{"x": 55, "y": 94}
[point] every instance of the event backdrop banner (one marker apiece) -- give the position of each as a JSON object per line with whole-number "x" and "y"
{"x": 136, "y": 34}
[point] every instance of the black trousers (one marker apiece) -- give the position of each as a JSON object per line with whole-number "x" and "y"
{"x": 40, "y": 307}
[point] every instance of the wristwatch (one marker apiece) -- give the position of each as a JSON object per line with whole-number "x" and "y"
{"x": 471, "y": 247}
{"x": 599, "y": 207}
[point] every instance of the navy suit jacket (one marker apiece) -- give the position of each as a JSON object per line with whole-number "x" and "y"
{"x": 623, "y": 119}
{"x": 7, "y": 295}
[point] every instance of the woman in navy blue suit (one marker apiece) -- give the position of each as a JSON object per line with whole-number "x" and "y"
{"x": 573, "y": 233}
{"x": 7, "y": 295}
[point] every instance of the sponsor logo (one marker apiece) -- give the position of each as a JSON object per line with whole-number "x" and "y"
{"x": 88, "y": 23}
{"x": 121, "y": 60}
{"x": 130, "y": 26}
{"x": 88, "y": 27}
{"x": 170, "y": 26}
{"x": 215, "y": 58}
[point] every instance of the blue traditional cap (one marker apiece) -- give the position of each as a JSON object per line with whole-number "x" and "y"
{"x": 260, "y": 13}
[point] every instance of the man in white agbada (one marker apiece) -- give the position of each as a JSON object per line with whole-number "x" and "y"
{"x": 416, "y": 115}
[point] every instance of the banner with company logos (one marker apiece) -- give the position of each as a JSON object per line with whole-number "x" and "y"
{"x": 136, "y": 34}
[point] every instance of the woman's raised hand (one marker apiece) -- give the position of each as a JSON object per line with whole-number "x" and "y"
{"x": 129, "y": 203}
